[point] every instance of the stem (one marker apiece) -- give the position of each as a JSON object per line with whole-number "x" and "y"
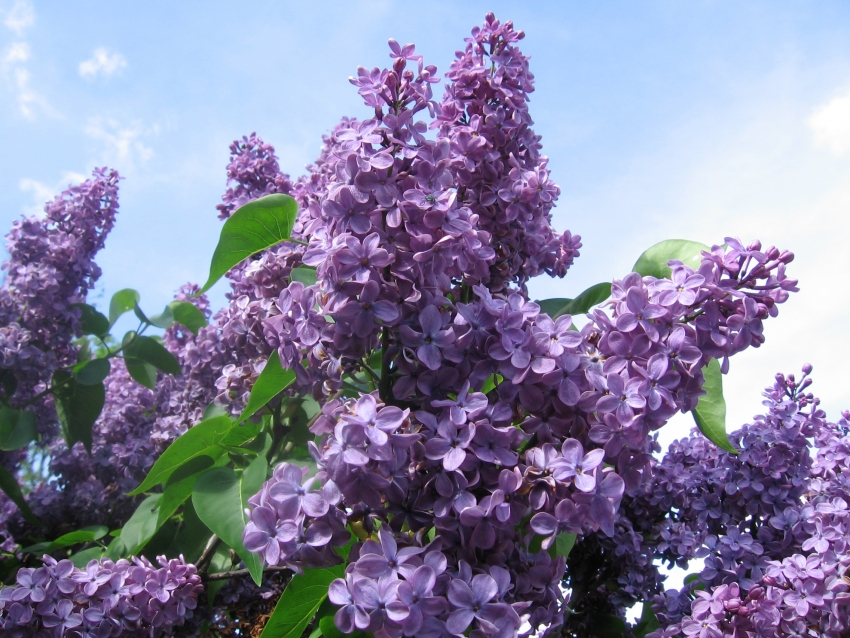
{"x": 206, "y": 556}
{"x": 384, "y": 388}
{"x": 375, "y": 376}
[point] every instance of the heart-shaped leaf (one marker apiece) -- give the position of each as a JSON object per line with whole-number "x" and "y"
{"x": 253, "y": 227}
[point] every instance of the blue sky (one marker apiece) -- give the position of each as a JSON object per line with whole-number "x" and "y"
{"x": 661, "y": 119}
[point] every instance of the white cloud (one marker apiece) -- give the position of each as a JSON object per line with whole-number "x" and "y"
{"x": 123, "y": 147}
{"x": 20, "y": 17}
{"x": 13, "y": 69}
{"x": 102, "y": 62}
{"x": 830, "y": 124}
{"x": 18, "y": 52}
{"x": 42, "y": 193}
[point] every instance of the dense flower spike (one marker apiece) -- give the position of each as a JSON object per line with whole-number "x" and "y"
{"x": 50, "y": 268}
{"x": 422, "y": 249}
{"x": 105, "y": 598}
{"x": 772, "y": 524}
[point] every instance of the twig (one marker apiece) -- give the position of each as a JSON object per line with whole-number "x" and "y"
{"x": 239, "y": 572}
{"x": 206, "y": 556}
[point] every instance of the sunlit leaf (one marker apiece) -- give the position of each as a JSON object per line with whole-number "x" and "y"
{"x": 272, "y": 381}
{"x": 305, "y": 274}
{"x": 142, "y": 525}
{"x": 220, "y": 497}
{"x": 208, "y": 438}
{"x": 593, "y": 296}
{"x": 653, "y": 261}
{"x": 300, "y": 601}
{"x": 710, "y": 413}
{"x": 92, "y": 372}
{"x": 188, "y": 315}
{"x": 253, "y": 227}
{"x": 91, "y": 321}
{"x": 121, "y": 302}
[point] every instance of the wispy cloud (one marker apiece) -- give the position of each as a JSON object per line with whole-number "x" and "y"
{"x": 830, "y": 124}
{"x": 13, "y": 64}
{"x": 123, "y": 145}
{"x": 103, "y": 63}
{"x": 43, "y": 193}
{"x": 19, "y": 17}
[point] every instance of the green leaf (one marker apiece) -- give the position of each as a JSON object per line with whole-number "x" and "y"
{"x": 175, "y": 494}
{"x": 192, "y": 537}
{"x": 272, "y": 381}
{"x": 78, "y": 406}
{"x": 188, "y": 315}
{"x": 213, "y": 410}
{"x": 220, "y": 497}
{"x": 252, "y": 228}
{"x": 142, "y": 525}
{"x": 141, "y": 372}
{"x": 91, "y": 321}
{"x": 653, "y": 261}
{"x": 81, "y": 559}
{"x": 300, "y": 601}
{"x": 221, "y": 562}
{"x": 208, "y": 438}
{"x": 10, "y": 486}
{"x": 163, "y": 320}
{"x": 710, "y": 413}
{"x": 552, "y": 306}
{"x": 84, "y": 535}
{"x": 150, "y": 351}
{"x": 564, "y": 543}
{"x": 305, "y": 274}
{"x": 328, "y": 629}
{"x": 92, "y": 372}
{"x": 582, "y": 304}
{"x": 489, "y": 384}
{"x": 17, "y": 429}
{"x": 121, "y": 302}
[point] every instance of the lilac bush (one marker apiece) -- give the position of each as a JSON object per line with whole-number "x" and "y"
{"x": 381, "y": 426}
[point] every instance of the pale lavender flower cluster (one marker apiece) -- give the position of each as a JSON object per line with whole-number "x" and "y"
{"x": 103, "y": 599}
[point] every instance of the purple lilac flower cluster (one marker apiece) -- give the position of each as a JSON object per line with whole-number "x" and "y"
{"x": 50, "y": 268}
{"x": 104, "y": 599}
{"x": 772, "y": 524}
{"x": 419, "y": 256}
